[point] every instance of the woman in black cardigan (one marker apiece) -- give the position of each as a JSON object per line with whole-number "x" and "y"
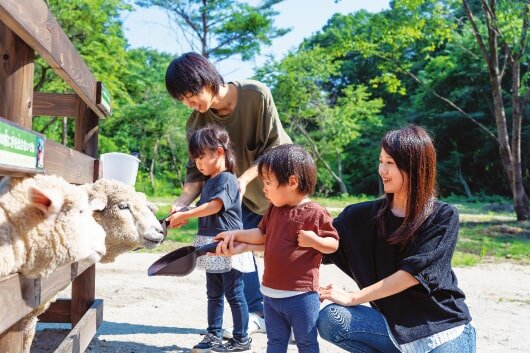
{"x": 398, "y": 250}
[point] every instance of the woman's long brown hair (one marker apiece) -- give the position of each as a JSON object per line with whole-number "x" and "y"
{"x": 413, "y": 151}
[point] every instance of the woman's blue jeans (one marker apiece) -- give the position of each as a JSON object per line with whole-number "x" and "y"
{"x": 231, "y": 285}
{"x": 299, "y": 313}
{"x": 362, "y": 329}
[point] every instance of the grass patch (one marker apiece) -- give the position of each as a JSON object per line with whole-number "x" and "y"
{"x": 496, "y": 240}
{"x": 488, "y": 229}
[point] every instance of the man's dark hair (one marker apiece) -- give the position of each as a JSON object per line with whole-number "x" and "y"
{"x": 289, "y": 159}
{"x": 190, "y": 73}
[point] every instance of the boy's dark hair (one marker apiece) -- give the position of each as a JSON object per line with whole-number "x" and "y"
{"x": 190, "y": 73}
{"x": 209, "y": 138}
{"x": 286, "y": 160}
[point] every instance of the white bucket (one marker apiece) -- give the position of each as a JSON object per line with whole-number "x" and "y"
{"x": 120, "y": 166}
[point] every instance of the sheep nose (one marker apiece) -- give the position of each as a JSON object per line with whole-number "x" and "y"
{"x": 164, "y": 223}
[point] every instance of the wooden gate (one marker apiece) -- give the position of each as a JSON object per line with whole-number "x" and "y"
{"x": 28, "y": 27}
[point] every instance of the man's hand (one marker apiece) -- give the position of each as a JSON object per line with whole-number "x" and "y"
{"x": 178, "y": 207}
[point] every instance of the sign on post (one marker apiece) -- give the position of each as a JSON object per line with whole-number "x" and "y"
{"x": 103, "y": 98}
{"x": 21, "y": 148}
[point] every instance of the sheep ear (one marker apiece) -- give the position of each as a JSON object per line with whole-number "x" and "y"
{"x": 46, "y": 201}
{"x": 96, "y": 197}
{"x": 151, "y": 206}
{"x": 97, "y": 204}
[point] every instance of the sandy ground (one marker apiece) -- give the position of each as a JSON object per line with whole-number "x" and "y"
{"x": 167, "y": 314}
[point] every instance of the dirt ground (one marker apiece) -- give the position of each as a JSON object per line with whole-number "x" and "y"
{"x": 167, "y": 314}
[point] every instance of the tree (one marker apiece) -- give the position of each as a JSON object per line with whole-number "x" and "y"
{"x": 501, "y": 33}
{"x": 94, "y": 27}
{"x": 152, "y": 124}
{"x": 297, "y": 83}
{"x": 409, "y": 36}
{"x": 220, "y": 29}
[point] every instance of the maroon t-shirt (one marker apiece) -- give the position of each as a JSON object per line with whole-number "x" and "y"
{"x": 288, "y": 266}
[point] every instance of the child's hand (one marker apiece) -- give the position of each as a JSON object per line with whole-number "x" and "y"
{"x": 226, "y": 243}
{"x": 307, "y": 238}
{"x": 177, "y": 220}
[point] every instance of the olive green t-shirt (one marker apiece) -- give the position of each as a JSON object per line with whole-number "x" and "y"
{"x": 254, "y": 127}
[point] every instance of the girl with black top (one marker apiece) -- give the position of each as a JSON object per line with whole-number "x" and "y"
{"x": 218, "y": 210}
{"x": 398, "y": 250}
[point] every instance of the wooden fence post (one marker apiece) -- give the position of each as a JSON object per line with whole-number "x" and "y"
{"x": 16, "y": 78}
{"x": 16, "y": 98}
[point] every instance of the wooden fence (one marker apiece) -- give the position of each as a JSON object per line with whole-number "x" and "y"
{"x": 28, "y": 27}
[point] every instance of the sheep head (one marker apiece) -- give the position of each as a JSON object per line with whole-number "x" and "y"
{"x": 48, "y": 224}
{"x": 127, "y": 218}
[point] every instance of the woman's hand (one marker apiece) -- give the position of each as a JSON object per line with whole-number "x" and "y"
{"x": 337, "y": 295}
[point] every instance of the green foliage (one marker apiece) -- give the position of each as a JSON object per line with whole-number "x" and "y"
{"x": 223, "y": 28}
{"x": 297, "y": 83}
{"x": 95, "y": 29}
{"x": 337, "y": 94}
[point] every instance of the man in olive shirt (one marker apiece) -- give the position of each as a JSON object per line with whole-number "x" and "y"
{"x": 246, "y": 110}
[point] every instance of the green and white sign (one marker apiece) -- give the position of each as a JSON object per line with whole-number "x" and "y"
{"x": 103, "y": 98}
{"x": 20, "y": 148}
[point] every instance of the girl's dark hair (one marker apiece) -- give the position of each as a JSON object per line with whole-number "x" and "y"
{"x": 413, "y": 151}
{"x": 209, "y": 138}
{"x": 190, "y": 73}
{"x": 286, "y": 160}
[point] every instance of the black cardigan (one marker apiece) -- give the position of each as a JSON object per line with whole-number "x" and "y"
{"x": 434, "y": 305}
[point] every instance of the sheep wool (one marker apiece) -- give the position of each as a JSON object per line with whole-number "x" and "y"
{"x": 127, "y": 218}
{"x": 45, "y": 222}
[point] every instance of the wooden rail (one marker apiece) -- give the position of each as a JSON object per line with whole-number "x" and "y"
{"x": 32, "y": 21}
{"x": 26, "y": 27}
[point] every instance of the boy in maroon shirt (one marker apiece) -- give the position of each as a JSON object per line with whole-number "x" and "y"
{"x": 294, "y": 233}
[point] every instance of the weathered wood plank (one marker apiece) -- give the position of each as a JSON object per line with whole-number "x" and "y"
{"x": 86, "y": 131}
{"x": 12, "y": 340}
{"x": 17, "y": 299}
{"x": 83, "y": 293}
{"x": 59, "y": 311}
{"x": 20, "y": 295}
{"x": 73, "y": 166}
{"x": 16, "y": 78}
{"x": 32, "y": 21}
{"x": 79, "y": 338}
{"x": 55, "y": 104}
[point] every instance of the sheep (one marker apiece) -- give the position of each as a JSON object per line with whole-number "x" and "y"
{"x": 45, "y": 222}
{"x": 128, "y": 218}
{"x": 129, "y": 224}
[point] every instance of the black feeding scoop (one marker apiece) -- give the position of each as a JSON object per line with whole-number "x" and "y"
{"x": 179, "y": 262}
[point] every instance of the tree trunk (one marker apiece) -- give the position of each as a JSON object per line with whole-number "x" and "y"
{"x": 460, "y": 177}
{"x": 520, "y": 197}
{"x": 510, "y": 153}
{"x": 64, "y": 135}
{"x": 174, "y": 161}
{"x": 152, "y": 166}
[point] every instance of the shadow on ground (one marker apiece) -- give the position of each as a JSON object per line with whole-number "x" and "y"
{"x": 49, "y": 336}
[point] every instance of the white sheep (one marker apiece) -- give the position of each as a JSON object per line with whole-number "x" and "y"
{"x": 45, "y": 222}
{"x": 127, "y": 218}
{"x": 129, "y": 223}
